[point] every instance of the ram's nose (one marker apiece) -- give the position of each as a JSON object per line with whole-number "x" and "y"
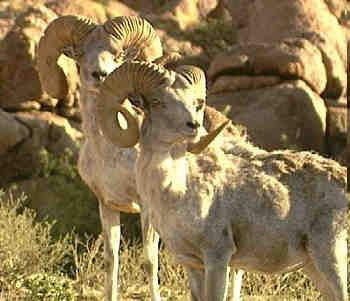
{"x": 99, "y": 75}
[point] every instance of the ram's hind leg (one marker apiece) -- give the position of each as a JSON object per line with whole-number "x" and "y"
{"x": 328, "y": 266}
{"x": 237, "y": 276}
{"x": 110, "y": 220}
{"x": 196, "y": 283}
{"x": 150, "y": 247}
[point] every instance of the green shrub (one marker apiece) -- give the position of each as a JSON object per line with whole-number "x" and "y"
{"x": 51, "y": 164}
{"x": 44, "y": 287}
{"x": 26, "y": 247}
{"x": 34, "y": 266}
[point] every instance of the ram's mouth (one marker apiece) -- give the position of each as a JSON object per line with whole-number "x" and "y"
{"x": 191, "y": 135}
{"x": 94, "y": 89}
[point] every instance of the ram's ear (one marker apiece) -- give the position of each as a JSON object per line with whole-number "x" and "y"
{"x": 170, "y": 60}
{"x": 138, "y": 100}
{"x": 70, "y": 52}
{"x": 201, "y": 145}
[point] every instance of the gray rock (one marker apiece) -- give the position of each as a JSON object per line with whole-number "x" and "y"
{"x": 20, "y": 86}
{"x": 46, "y": 131}
{"x": 12, "y": 132}
{"x": 289, "y": 59}
{"x": 320, "y": 22}
{"x": 288, "y": 115}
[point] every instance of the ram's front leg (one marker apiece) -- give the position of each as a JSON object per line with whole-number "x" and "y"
{"x": 216, "y": 282}
{"x": 216, "y": 262}
{"x": 150, "y": 248}
{"x": 237, "y": 276}
{"x": 110, "y": 220}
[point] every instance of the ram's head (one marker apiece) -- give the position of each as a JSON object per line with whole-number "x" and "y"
{"x": 98, "y": 49}
{"x": 174, "y": 103}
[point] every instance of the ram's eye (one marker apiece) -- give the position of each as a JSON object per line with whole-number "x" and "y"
{"x": 156, "y": 102}
{"x": 99, "y": 75}
{"x": 200, "y": 104}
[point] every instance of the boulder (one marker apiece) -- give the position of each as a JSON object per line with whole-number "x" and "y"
{"x": 12, "y": 132}
{"x": 199, "y": 44}
{"x": 337, "y": 128}
{"x": 20, "y": 84}
{"x": 7, "y": 17}
{"x": 287, "y": 115}
{"x": 305, "y": 19}
{"x": 184, "y": 13}
{"x": 348, "y": 67}
{"x": 288, "y": 59}
{"x": 94, "y": 10}
{"x": 46, "y": 131}
{"x": 231, "y": 83}
{"x": 51, "y": 131}
{"x": 191, "y": 53}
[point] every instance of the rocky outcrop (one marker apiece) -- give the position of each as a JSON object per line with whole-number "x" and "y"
{"x": 337, "y": 130}
{"x": 286, "y": 79}
{"x": 20, "y": 84}
{"x": 30, "y": 121}
{"x": 288, "y": 59}
{"x": 316, "y": 21}
{"x": 25, "y": 134}
{"x": 12, "y": 132}
{"x": 181, "y": 13}
{"x": 94, "y": 10}
{"x": 186, "y": 13}
{"x": 285, "y": 115}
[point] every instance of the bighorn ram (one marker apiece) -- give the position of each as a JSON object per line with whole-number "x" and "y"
{"x": 246, "y": 208}
{"x": 108, "y": 171}
{"x": 98, "y": 50}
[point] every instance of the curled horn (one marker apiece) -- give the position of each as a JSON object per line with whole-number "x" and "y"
{"x": 143, "y": 78}
{"x": 128, "y": 32}
{"x": 136, "y": 33}
{"x": 131, "y": 77}
{"x": 61, "y": 32}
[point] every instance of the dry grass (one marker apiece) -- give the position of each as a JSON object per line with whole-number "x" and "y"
{"x": 34, "y": 267}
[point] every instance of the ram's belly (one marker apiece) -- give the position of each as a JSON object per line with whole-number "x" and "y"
{"x": 269, "y": 252}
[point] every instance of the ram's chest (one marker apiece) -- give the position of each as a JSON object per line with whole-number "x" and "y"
{"x": 183, "y": 231}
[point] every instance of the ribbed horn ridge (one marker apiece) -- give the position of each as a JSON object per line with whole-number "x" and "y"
{"x": 140, "y": 77}
{"x": 136, "y": 32}
{"x": 193, "y": 74}
{"x": 63, "y": 31}
{"x": 171, "y": 57}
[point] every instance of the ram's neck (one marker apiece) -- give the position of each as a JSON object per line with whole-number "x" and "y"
{"x": 160, "y": 178}
{"x": 88, "y": 113}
